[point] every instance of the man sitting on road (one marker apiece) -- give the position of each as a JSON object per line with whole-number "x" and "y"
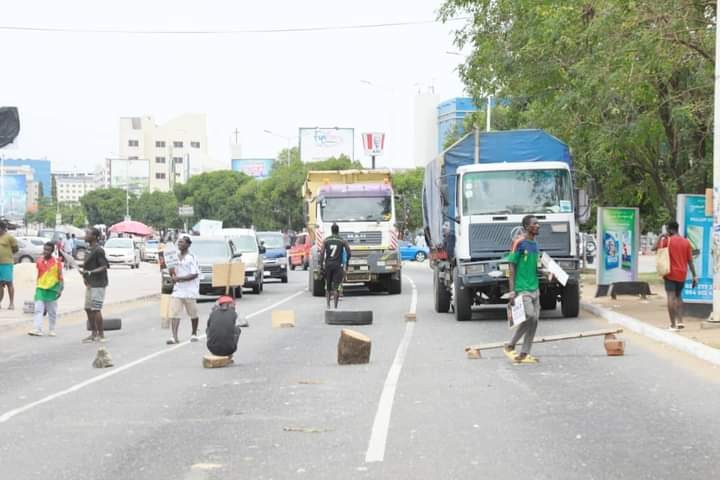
{"x": 334, "y": 258}
{"x": 222, "y": 332}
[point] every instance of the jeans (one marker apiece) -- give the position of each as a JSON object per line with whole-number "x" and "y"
{"x": 40, "y": 307}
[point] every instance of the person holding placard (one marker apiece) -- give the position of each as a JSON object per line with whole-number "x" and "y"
{"x": 185, "y": 274}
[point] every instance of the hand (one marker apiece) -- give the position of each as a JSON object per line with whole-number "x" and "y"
{"x": 174, "y": 277}
{"x": 694, "y": 282}
{"x": 512, "y": 297}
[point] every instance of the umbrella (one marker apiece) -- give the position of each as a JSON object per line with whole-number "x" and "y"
{"x": 131, "y": 226}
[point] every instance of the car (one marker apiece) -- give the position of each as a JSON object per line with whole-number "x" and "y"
{"x": 275, "y": 259}
{"x": 409, "y": 251}
{"x": 245, "y": 242}
{"x": 300, "y": 251}
{"x": 152, "y": 250}
{"x": 208, "y": 250}
{"x": 53, "y": 235}
{"x": 122, "y": 251}
{"x": 141, "y": 246}
{"x": 29, "y": 249}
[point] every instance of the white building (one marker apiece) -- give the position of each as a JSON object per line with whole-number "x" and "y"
{"x": 425, "y": 128}
{"x": 70, "y": 186}
{"x": 174, "y": 150}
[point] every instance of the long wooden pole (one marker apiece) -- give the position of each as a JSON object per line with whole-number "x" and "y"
{"x": 551, "y": 338}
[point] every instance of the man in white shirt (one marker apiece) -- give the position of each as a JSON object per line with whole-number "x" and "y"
{"x": 186, "y": 289}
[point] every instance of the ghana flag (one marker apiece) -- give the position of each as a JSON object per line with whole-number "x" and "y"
{"x": 49, "y": 280}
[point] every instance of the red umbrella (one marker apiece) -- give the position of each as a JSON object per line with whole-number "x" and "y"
{"x": 131, "y": 226}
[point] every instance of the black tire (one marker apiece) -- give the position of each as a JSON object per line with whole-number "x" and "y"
{"x": 394, "y": 285}
{"x": 108, "y": 324}
{"x": 570, "y": 301}
{"x": 258, "y": 287}
{"x": 548, "y": 300}
{"x": 25, "y": 259}
{"x": 348, "y": 317}
{"x": 317, "y": 287}
{"x": 283, "y": 279}
{"x": 420, "y": 257}
{"x": 441, "y": 294}
{"x": 463, "y": 303}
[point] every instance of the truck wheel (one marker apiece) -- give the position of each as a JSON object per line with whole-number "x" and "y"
{"x": 548, "y": 300}
{"x": 441, "y": 294}
{"x": 570, "y": 301}
{"x": 394, "y": 286}
{"x": 317, "y": 287}
{"x": 463, "y": 303}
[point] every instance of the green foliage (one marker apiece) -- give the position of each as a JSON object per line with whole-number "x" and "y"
{"x": 408, "y": 209}
{"x": 71, "y": 213}
{"x": 105, "y": 206}
{"x": 159, "y": 209}
{"x": 628, "y": 85}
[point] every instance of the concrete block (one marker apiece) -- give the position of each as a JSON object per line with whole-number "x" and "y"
{"x": 353, "y": 347}
{"x": 283, "y": 318}
{"x": 411, "y": 316}
{"x": 214, "y": 361}
{"x": 473, "y": 353}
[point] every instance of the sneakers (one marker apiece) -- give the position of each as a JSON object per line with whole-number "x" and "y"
{"x": 36, "y": 333}
{"x": 673, "y": 328}
{"x": 194, "y": 338}
{"x": 100, "y": 339}
{"x": 172, "y": 341}
{"x": 89, "y": 339}
{"x": 51, "y": 333}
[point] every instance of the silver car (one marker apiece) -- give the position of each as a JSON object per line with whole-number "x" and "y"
{"x": 29, "y": 249}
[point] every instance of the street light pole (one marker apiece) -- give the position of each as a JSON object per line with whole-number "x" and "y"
{"x": 715, "y": 317}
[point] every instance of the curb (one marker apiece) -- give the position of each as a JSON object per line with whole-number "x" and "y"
{"x": 697, "y": 349}
{"x": 15, "y": 324}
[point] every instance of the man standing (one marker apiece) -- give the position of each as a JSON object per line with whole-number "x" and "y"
{"x": 222, "y": 332}
{"x": 524, "y": 287}
{"x": 8, "y": 247}
{"x": 48, "y": 289}
{"x": 186, "y": 289}
{"x": 334, "y": 258}
{"x": 67, "y": 251}
{"x": 94, "y": 272}
{"x": 680, "y": 259}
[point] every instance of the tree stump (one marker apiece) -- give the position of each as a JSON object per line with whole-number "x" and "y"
{"x": 353, "y": 347}
{"x": 102, "y": 359}
{"x": 614, "y": 346}
{"x": 214, "y": 361}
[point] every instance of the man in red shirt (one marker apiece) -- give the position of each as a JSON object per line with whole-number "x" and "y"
{"x": 680, "y": 260}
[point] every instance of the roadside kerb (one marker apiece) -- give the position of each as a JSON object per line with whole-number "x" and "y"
{"x": 678, "y": 342}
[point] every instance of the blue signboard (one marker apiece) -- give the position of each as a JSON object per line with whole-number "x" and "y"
{"x": 697, "y": 228}
{"x": 254, "y": 167}
{"x": 15, "y": 199}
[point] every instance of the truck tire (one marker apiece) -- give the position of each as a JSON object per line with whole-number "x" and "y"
{"x": 317, "y": 287}
{"x": 441, "y": 294}
{"x": 570, "y": 301}
{"x": 348, "y": 317}
{"x": 548, "y": 300}
{"x": 394, "y": 286}
{"x": 108, "y": 324}
{"x": 463, "y": 303}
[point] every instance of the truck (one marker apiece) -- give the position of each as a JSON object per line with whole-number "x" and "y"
{"x": 362, "y": 203}
{"x": 475, "y": 195}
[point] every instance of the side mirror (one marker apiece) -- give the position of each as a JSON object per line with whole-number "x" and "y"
{"x": 237, "y": 255}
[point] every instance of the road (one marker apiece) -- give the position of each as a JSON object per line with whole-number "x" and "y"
{"x": 287, "y": 410}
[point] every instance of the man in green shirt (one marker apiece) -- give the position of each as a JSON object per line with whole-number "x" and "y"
{"x": 8, "y": 247}
{"x": 524, "y": 287}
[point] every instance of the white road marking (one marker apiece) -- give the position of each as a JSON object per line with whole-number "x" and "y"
{"x": 381, "y": 425}
{"x": 12, "y": 413}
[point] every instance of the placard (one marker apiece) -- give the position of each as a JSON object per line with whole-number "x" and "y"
{"x": 619, "y": 244}
{"x": 696, "y": 225}
{"x": 228, "y": 274}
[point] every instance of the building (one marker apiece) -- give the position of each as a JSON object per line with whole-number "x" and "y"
{"x": 40, "y": 169}
{"x": 19, "y": 192}
{"x": 71, "y": 186}
{"x": 425, "y": 128}
{"x": 131, "y": 174}
{"x": 450, "y": 118}
{"x": 173, "y": 151}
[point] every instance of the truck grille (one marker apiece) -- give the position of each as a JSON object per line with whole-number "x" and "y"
{"x": 362, "y": 238}
{"x": 492, "y": 239}
{"x": 205, "y": 269}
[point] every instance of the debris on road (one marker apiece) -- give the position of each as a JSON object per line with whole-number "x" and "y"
{"x": 353, "y": 347}
{"x": 614, "y": 346}
{"x": 215, "y": 361}
{"x": 310, "y": 382}
{"x": 411, "y": 316}
{"x": 348, "y": 317}
{"x": 102, "y": 359}
{"x": 306, "y": 429}
{"x": 283, "y": 318}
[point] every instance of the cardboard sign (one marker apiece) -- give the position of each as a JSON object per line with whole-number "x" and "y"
{"x": 553, "y": 267}
{"x": 516, "y": 312}
{"x": 230, "y": 274}
{"x": 170, "y": 255}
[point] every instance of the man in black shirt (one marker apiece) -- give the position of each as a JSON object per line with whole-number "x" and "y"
{"x": 334, "y": 258}
{"x": 94, "y": 273}
{"x": 222, "y": 332}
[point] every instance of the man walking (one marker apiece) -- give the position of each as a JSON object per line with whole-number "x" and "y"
{"x": 222, "y": 332}
{"x": 334, "y": 258}
{"x": 8, "y": 247}
{"x": 524, "y": 287}
{"x": 67, "y": 251}
{"x": 94, "y": 273}
{"x": 186, "y": 289}
{"x": 680, "y": 260}
{"x": 48, "y": 289}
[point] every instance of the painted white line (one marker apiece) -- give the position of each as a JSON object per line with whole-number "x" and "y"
{"x": 413, "y": 300}
{"x": 381, "y": 425}
{"x": 12, "y": 413}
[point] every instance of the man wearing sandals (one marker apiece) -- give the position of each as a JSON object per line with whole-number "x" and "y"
{"x": 680, "y": 259}
{"x": 524, "y": 287}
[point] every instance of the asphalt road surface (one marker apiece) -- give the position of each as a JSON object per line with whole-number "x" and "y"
{"x": 285, "y": 409}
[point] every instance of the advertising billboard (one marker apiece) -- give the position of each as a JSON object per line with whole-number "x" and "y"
{"x": 318, "y": 144}
{"x": 14, "y": 189}
{"x": 132, "y": 173}
{"x": 619, "y": 241}
{"x": 258, "y": 168}
{"x": 696, "y": 226}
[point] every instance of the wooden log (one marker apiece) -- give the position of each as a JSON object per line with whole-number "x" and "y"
{"x": 551, "y": 338}
{"x": 353, "y": 347}
{"x": 214, "y": 361}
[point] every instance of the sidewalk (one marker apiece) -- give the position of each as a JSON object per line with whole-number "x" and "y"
{"x": 125, "y": 285}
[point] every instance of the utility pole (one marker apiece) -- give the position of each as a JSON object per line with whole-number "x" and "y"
{"x": 715, "y": 316}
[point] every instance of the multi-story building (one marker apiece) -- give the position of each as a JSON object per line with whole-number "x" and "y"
{"x": 40, "y": 169}
{"x": 173, "y": 151}
{"x": 450, "y": 118}
{"x": 71, "y": 186}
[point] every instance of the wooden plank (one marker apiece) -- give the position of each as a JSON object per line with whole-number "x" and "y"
{"x": 551, "y": 338}
{"x": 231, "y": 274}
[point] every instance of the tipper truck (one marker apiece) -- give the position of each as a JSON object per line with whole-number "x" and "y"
{"x": 362, "y": 204}
{"x": 475, "y": 195}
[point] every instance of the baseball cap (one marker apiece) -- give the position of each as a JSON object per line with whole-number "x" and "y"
{"x": 225, "y": 299}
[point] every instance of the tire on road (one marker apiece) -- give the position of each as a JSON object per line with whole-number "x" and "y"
{"x": 463, "y": 303}
{"x": 441, "y": 294}
{"x": 108, "y": 324}
{"x": 348, "y": 317}
{"x": 317, "y": 287}
{"x": 570, "y": 300}
{"x": 394, "y": 286}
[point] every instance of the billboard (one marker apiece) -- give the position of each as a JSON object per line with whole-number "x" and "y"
{"x": 132, "y": 173}
{"x": 617, "y": 231}
{"x": 696, "y": 226}
{"x": 318, "y": 144}
{"x": 258, "y": 168}
{"x": 14, "y": 200}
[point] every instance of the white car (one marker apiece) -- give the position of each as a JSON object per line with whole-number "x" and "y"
{"x": 152, "y": 250}
{"x": 122, "y": 251}
{"x": 245, "y": 242}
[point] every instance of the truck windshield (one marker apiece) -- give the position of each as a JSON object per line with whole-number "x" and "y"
{"x": 356, "y": 209}
{"x": 527, "y": 191}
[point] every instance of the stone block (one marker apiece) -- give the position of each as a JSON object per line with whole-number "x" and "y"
{"x": 215, "y": 361}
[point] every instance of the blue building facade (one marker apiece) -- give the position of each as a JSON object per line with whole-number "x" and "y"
{"x": 451, "y": 115}
{"x": 41, "y": 172}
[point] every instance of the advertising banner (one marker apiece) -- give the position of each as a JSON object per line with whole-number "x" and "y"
{"x": 317, "y": 144}
{"x": 253, "y": 167}
{"x": 696, "y": 226}
{"x": 619, "y": 241}
{"x": 15, "y": 196}
{"x": 374, "y": 143}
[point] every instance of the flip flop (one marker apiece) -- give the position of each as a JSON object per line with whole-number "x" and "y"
{"x": 510, "y": 354}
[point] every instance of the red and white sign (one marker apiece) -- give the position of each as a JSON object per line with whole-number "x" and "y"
{"x": 374, "y": 143}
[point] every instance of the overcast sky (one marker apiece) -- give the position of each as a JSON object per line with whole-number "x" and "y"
{"x": 71, "y": 88}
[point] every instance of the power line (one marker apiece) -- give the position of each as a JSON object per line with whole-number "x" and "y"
{"x": 27, "y": 28}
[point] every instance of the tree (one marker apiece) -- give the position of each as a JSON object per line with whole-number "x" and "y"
{"x": 105, "y": 206}
{"x": 158, "y": 209}
{"x": 408, "y": 209}
{"x": 213, "y": 196}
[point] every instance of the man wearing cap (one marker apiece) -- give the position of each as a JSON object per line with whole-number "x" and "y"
{"x": 222, "y": 332}
{"x": 186, "y": 289}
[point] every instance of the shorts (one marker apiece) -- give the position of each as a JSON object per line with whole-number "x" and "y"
{"x": 673, "y": 286}
{"x": 6, "y": 272}
{"x": 334, "y": 276}
{"x": 94, "y": 298}
{"x": 177, "y": 305}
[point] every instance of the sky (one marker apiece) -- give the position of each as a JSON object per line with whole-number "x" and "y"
{"x": 71, "y": 88}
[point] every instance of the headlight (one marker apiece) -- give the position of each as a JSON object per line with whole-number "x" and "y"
{"x": 474, "y": 269}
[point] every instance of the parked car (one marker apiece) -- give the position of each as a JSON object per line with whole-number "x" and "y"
{"x": 122, "y": 251}
{"x": 245, "y": 242}
{"x": 409, "y": 251}
{"x": 275, "y": 258}
{"x": 141, "y": 247}
{"x": 29, "y": 249}
{"x": 300, "y": 251}
{"x": 54, "y": 236}
{"x": 208, "y": 251}
{"x": 152, "y": 249}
